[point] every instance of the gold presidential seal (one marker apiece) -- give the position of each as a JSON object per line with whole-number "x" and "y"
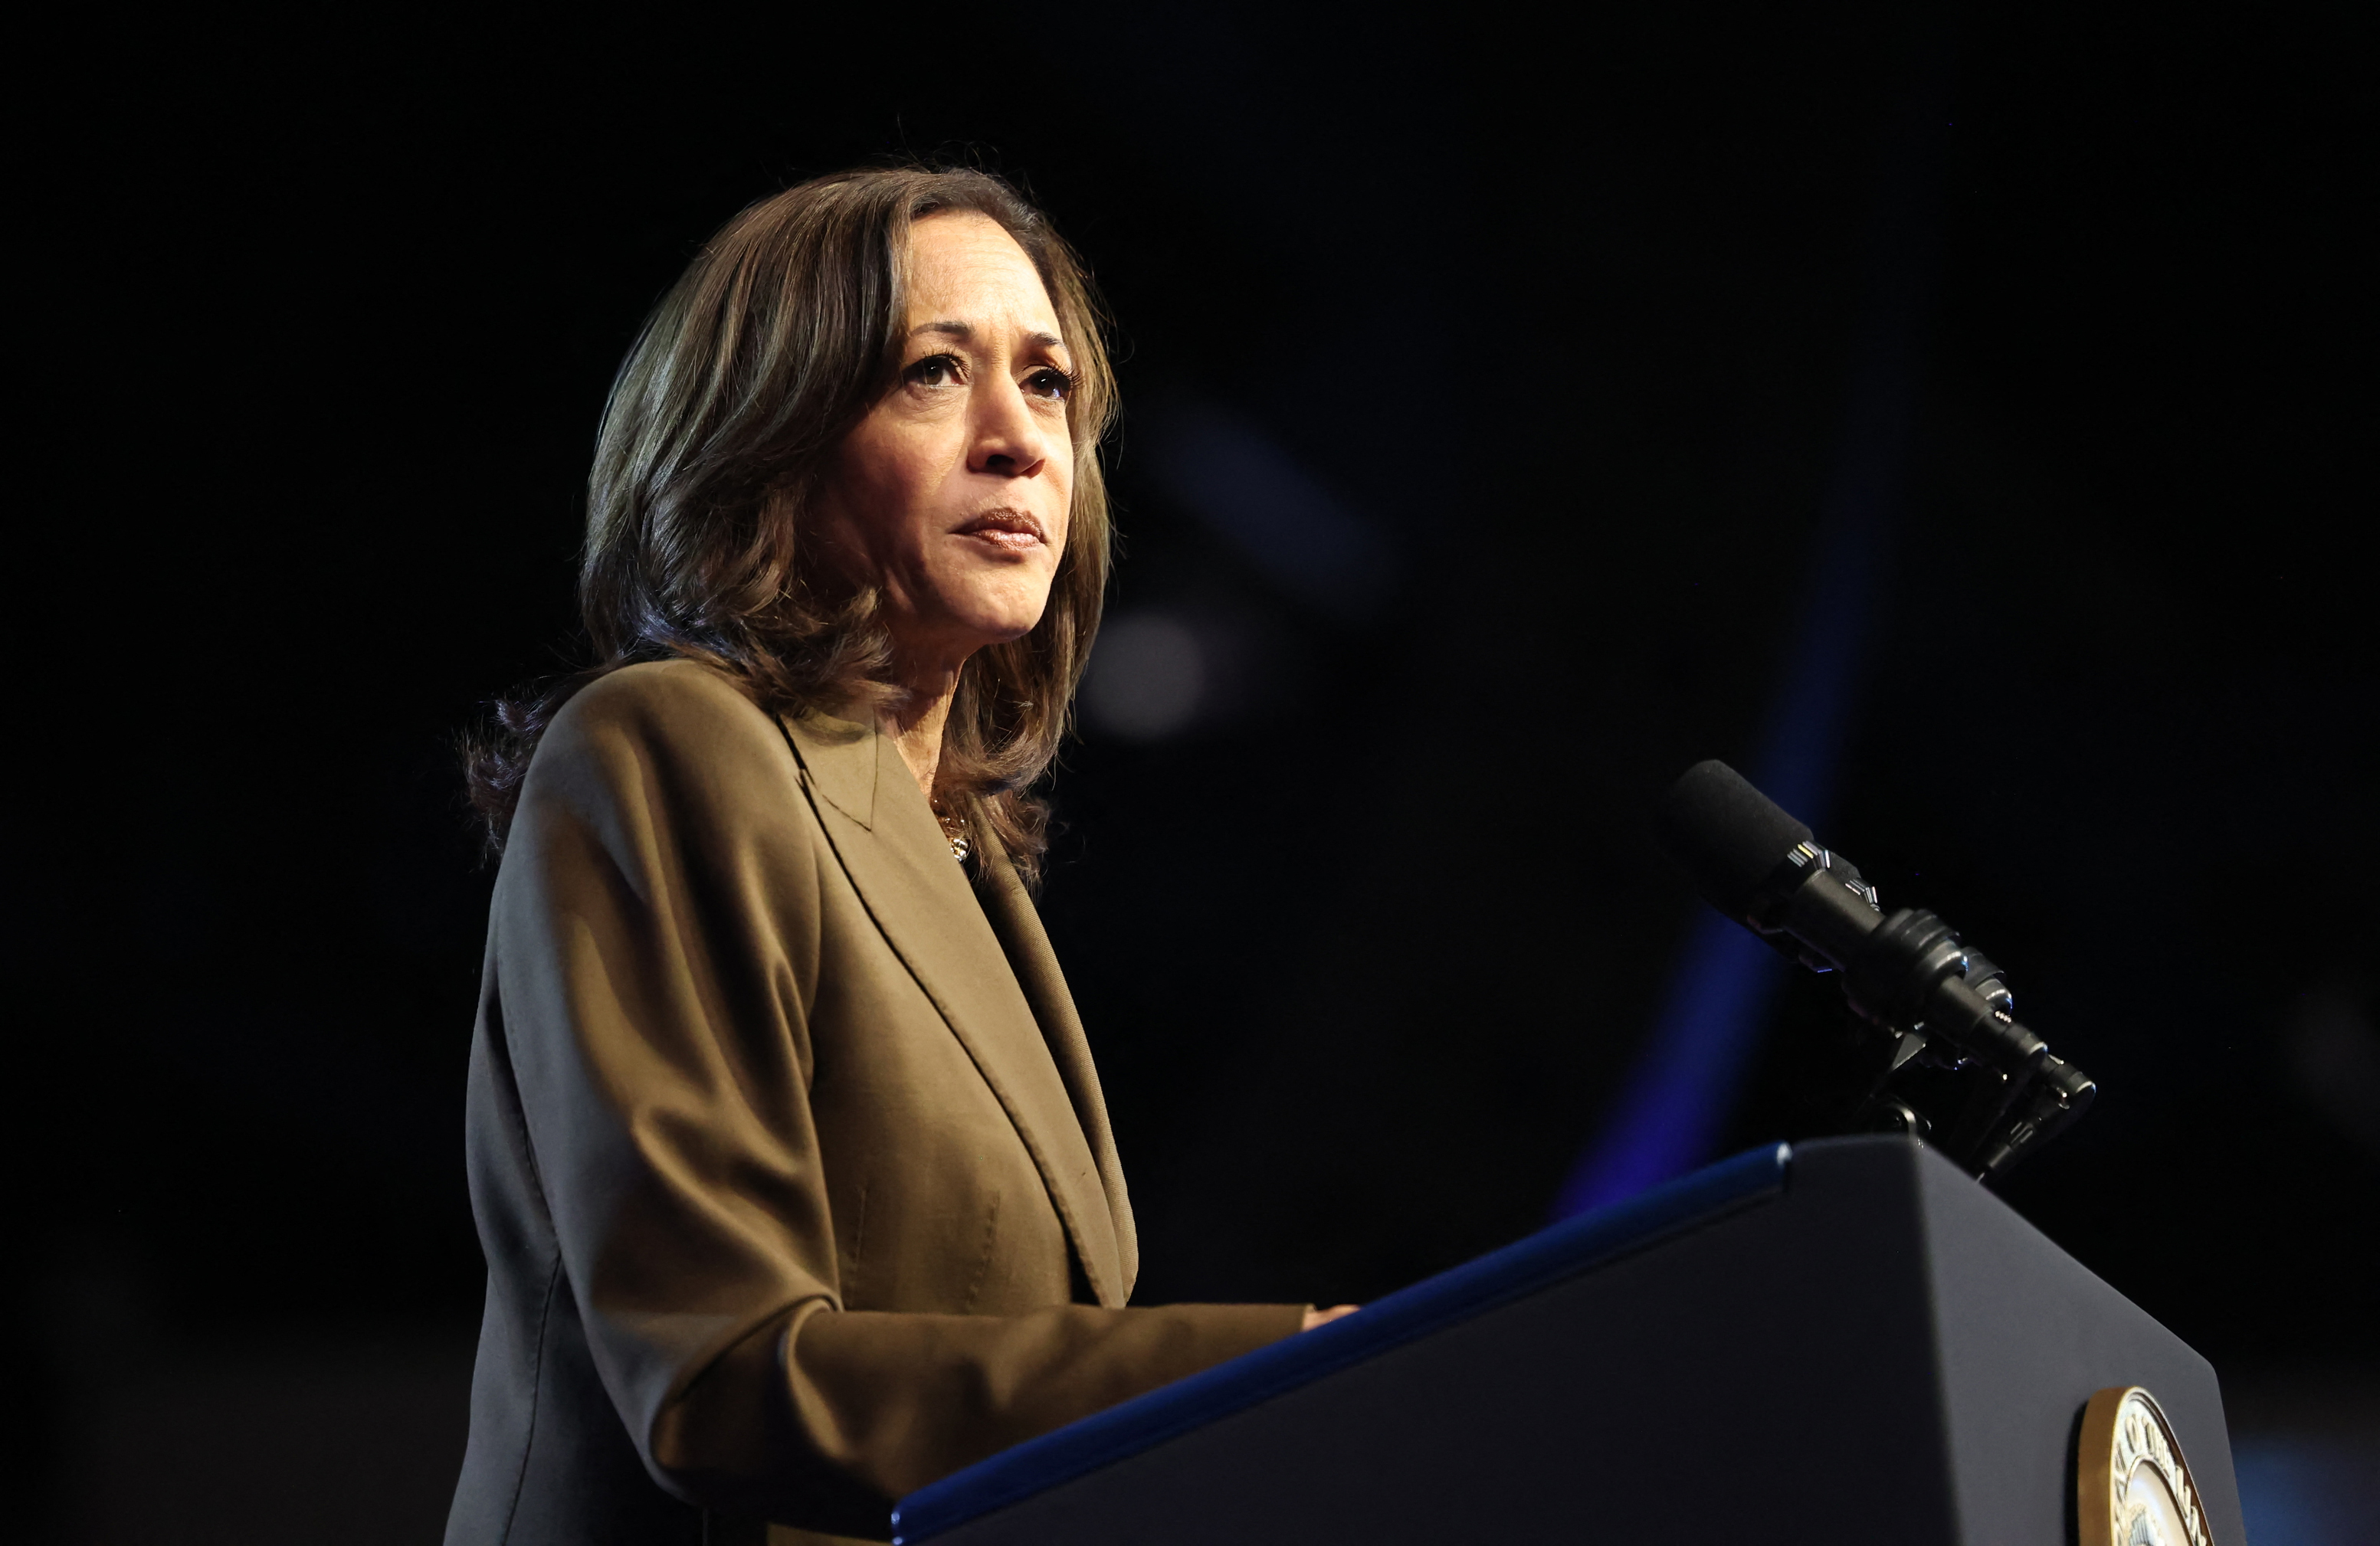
{"x": 2131, "y": 1486}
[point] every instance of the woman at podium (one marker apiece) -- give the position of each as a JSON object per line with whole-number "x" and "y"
{"x": 786, "y": 1146}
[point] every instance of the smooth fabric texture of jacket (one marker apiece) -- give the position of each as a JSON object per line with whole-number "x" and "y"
{"x": 785, "y": 1146}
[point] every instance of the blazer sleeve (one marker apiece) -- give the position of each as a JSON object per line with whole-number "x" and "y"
{"x": 657, "y": 938}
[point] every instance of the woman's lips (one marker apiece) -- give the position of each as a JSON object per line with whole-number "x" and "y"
{"x": 1013, "y": 530}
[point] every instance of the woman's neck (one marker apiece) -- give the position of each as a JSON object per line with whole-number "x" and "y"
{"x": 915, "y": 723}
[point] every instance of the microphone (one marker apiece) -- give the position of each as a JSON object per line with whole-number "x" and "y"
{"x": 1936, "y": 1000}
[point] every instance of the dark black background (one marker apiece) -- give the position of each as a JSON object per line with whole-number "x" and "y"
{"x": 323, "y": 324}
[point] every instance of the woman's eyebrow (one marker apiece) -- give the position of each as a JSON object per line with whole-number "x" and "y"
{"x": 965, "y": 332}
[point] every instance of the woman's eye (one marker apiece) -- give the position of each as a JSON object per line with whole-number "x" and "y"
{"x": 1056, "y": 385}
{"x": 934, "y": 370}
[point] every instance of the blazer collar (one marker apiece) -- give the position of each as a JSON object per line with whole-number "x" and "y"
{"x": 900, "y": 863}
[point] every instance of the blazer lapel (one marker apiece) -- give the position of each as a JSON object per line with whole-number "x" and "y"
{"x": 1018, "y": 924}
{"x": 899, "y": 861}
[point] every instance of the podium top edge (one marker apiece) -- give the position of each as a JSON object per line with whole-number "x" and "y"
{"x": 1537, "y": 1261}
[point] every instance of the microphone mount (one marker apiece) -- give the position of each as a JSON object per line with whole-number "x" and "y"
{"x": 1935, "y": 1002}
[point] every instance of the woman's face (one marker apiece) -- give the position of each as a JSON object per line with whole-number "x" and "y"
{"x": 952, "y": 495}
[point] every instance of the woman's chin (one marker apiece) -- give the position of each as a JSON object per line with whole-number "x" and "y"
{"x": 1007, "y": 630}
{"x": 960, "y": 633}
{"x": 997, "y": 614}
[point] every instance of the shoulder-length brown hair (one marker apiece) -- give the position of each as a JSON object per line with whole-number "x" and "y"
{"x": 782, "y": 333}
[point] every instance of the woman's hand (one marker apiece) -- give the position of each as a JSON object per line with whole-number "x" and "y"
{"x": 1324, "y": 1317}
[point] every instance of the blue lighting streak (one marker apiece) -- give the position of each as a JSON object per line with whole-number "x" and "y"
{"x": 1668, "y": 1118}
{"x": 1670, "y": 1113}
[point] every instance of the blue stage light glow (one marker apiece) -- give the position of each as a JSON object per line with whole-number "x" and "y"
{"x": 1673, "y": 1105}
{"x": 2308, "y": 1491}
{"x": 1668, "y": 1118}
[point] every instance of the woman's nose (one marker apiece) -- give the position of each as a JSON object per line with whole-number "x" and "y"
{"x": 1008, "y": 440}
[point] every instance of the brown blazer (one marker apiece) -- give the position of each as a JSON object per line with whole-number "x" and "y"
{"x": 786, "y": 1149}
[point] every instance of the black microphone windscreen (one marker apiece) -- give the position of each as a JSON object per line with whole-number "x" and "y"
{"x": 1729, "y": 835}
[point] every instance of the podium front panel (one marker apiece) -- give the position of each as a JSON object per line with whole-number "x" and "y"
{"x": 1852, "y": 1342}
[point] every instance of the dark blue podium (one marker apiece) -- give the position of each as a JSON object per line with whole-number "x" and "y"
{"x": 1846, "y": 1341}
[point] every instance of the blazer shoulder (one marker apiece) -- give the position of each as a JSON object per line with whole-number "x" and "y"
{"x": 669, "y": 735}
{"x": 677, "y": 702}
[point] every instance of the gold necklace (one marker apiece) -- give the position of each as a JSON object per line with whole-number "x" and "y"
{"x": 954, "y": 828}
